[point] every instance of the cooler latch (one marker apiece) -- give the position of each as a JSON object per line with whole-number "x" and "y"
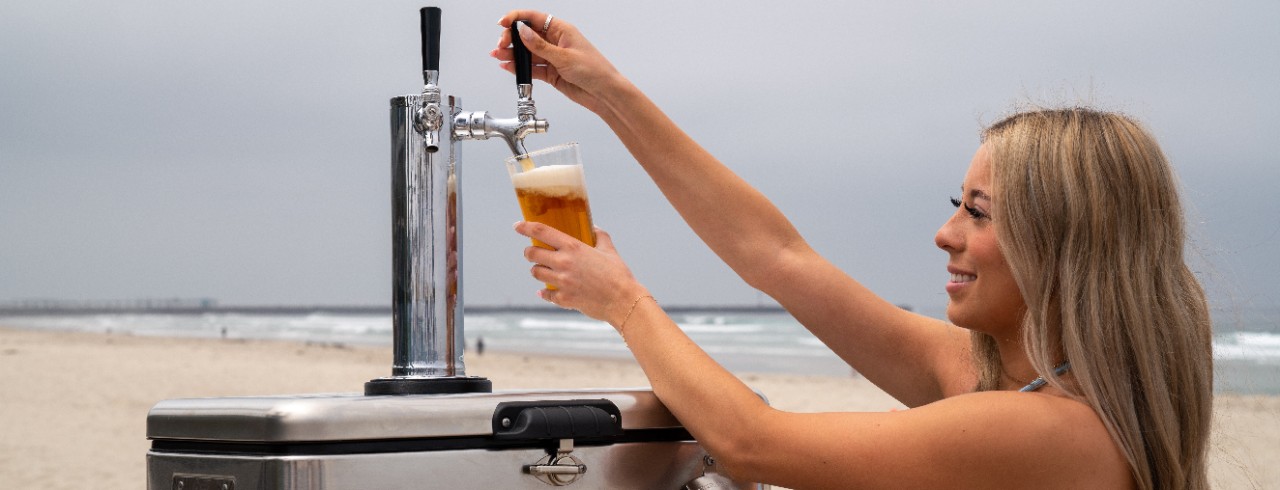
{"x": 559, "y": 469}
{"x": 561, "y": 422}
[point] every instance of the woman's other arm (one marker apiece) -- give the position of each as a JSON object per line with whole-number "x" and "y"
{"x": 987, "y": 440}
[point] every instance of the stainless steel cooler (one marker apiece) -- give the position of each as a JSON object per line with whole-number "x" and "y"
{"x": 607, "y": 439}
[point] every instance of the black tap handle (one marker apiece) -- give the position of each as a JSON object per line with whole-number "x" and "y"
{"x": 430, "y": 38}
{"x": 524, "y": 60}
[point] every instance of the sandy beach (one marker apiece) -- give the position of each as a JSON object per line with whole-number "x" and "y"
{"x": 74, "y": 405}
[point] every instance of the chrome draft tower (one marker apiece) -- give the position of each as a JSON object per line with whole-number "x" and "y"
{"x": 426, "y": 211}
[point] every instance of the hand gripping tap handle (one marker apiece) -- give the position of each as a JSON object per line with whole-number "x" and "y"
{"x": 430, "y": 38}
{"x": 523, "y": 59}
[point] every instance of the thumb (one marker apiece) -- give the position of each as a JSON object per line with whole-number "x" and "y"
{"x": 537, "y": 45}
{"x": 604, "y": 241}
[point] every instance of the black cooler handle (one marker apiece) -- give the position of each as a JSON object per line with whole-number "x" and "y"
{"x": 555, "y": 420}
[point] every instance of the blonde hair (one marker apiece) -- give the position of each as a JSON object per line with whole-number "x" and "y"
{"x": 1088, "y": 217}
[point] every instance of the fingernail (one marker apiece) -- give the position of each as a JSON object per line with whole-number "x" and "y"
{"x": 515, "y": 225}
{"x": 525, "y": 32}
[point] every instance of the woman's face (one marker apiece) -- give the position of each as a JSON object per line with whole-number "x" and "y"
{"x": 984, "y": 296}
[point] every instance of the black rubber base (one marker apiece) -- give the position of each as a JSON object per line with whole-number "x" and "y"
{"x": 413, "y": 385}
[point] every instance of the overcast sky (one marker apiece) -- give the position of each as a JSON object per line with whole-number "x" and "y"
{"x": 239, "y": 150}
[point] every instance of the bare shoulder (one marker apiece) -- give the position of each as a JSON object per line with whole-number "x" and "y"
{"x": 1030, "y": 439}
{"x": 975, "y": 440}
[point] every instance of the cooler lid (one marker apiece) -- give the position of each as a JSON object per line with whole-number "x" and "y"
{"x": 353, "y": 416}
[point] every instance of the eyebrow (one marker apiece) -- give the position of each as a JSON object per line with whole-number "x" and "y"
{"x": 975, "y": 193}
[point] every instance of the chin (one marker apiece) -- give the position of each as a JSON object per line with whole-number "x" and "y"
{"x": 955, "y": 316}
{"x": 961, "y": 318}
{"x": 990, "y": 322}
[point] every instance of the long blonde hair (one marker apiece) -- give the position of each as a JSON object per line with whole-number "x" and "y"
{"x": 1088, "y": 217}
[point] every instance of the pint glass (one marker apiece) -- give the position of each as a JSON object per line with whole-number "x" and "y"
{"x": 552, "y": 189}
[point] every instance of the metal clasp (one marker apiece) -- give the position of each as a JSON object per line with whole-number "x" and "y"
{"x": 558, "y": 469}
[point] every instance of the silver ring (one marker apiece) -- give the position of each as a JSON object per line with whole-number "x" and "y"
{"x": 547, "y": 25}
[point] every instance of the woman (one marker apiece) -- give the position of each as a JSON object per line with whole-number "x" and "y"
{"x": 1078, "y": 353}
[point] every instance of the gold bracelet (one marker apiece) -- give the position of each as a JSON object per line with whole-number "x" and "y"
{"x": 622, "y": 326}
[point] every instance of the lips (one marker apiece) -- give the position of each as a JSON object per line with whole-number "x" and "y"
{"x": 960, "y": 280}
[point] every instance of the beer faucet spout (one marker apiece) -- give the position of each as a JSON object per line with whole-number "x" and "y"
{"x": 429, "y": 120}
{"x": 479, "y": 125}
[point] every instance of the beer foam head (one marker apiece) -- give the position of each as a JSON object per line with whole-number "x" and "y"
{"x": 555, "y": 180}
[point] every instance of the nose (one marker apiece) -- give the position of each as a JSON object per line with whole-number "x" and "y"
{"x": 949, "y": 236}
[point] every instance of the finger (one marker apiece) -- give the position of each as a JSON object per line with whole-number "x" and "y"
{"x": 548, "y": 296}
{"x": 506, "y": 54}
{"x": 544, "y": 274}
{"x": 539, "y": 255}
{"x": 604, "y": 241}
{"x": 504, "y": 39}
{"x": 556, "y": 29}
{"x": 554, "y": 297}
{"x": 556, "y": 239}
{"x": 533, "y": 16}
{"x": 540, "y": 72}
{"x": 539, "y": 46}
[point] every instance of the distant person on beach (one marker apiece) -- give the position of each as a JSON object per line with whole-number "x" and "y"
{"x": 1078, "y": 350}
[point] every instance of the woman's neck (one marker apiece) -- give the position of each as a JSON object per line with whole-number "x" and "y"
{"x": 1014, "y": 363}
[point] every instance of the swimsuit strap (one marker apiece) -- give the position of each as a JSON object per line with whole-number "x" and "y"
{"x": 1039, "y": 382}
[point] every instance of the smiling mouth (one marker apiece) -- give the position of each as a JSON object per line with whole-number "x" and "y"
{"x": 963, "y": 277}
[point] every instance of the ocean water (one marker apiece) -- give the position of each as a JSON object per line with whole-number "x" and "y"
{"x": 1246, "y": 344}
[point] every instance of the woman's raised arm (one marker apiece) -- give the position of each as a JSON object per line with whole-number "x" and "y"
{"x": 914, "y": 358}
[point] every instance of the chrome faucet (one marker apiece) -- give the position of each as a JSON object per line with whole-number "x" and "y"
{"x": 428, "y": 120}
{"x": 479, "y": 125}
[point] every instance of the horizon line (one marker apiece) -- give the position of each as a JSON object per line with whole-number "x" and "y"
{"x": 67, "y": 308}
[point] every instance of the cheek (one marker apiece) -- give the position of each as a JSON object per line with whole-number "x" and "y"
{"x": 1002, "y": 284}
{"x": 993, "y": 265}
{"x": 986, "y": 251}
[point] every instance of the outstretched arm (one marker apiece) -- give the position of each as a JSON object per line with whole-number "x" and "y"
{"x": 914, "y": 358}
{"x": 990, "y": 439}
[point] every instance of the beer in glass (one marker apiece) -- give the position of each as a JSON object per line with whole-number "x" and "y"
{"x": 552, "y": 189}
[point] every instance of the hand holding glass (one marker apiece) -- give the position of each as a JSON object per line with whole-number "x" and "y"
{"x": 552, "y": 189}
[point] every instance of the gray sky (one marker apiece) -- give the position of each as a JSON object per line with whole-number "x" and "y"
{"x": 239, "y": 150}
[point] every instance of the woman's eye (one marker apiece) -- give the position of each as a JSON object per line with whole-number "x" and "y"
{"x": 973, "y": 212}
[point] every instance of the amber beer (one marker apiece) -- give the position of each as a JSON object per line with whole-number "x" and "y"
{"x": 552, "y": 189}
{"x": 555, "y": 195}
